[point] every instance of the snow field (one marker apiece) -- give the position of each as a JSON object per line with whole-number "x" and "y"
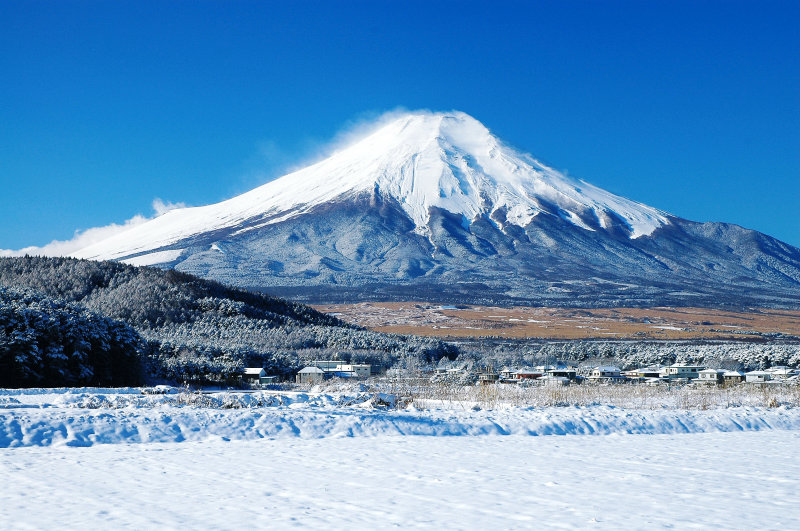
{"x": 701, "y": 481}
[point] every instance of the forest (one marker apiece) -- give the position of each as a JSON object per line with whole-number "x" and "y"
{"x": 69, "y": 322}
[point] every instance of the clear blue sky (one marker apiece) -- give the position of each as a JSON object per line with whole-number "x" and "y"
{"x": 691, "y": 107}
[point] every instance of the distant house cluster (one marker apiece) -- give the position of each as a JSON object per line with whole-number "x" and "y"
{"x": 676, "y": 374}
{"x": 323, "y": 370}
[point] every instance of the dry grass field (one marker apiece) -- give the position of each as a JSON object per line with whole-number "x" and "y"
{"x": 566, "y": 323}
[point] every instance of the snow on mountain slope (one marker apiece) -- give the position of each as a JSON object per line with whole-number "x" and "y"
{"x": 421, "y": 160}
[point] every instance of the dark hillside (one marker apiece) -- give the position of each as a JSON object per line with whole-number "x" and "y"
{"x": 46, "y": 343}
{"x": 201, "y": 331}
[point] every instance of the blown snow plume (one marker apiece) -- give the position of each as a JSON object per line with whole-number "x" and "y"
{"x": 433, "y": 206}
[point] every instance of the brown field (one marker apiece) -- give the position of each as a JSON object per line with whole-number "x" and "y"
{"x": 566, "y": 323}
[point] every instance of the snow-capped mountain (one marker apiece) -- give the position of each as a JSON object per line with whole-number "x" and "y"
{"x": 433, "y": 206}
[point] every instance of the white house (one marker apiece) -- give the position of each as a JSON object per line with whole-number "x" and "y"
{"x": 358, "y": 370}
{"x": 643, "y": 372}
{"x": 682, "y": 370}
{"x": 310, "y": 375}
{"x": 609, "y": 373}
{"x": 757, "y": 377}
{"x": 782, "y": 372}
{"x": 711, "y": 376}
{"x": 344, "y": 370}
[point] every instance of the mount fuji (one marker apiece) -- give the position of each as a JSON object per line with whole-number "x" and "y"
{"x": 432, "y": 206}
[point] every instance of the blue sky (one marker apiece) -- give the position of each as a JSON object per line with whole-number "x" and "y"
{"x": 691, "y": 107}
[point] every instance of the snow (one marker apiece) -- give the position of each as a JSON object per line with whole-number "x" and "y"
{"x": 88, "y": 418}
{"x": 703, "y": 480}
{"x": 105, "y": 458}
{"x": 158, "y": 257}
{"x": 422, "y": 160}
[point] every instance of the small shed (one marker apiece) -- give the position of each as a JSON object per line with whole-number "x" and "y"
{"x": 310, "y": 375}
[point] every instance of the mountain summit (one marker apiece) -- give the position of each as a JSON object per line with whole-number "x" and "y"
{"x": 423, "y": 160}
{"x": 433, "y": 206}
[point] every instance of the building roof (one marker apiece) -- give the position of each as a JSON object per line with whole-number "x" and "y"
{"x": 253, "y": 371}
{"x": 608, "y": 368}
{"x": 311, "y": 370}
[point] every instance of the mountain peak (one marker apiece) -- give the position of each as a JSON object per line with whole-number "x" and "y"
{"x": 421, "y": 160}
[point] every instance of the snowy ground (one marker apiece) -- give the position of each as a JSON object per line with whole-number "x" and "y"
{"x": 72, "y": 460}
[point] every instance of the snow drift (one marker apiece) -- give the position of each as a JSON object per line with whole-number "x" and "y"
{"x": 88, "y": 418}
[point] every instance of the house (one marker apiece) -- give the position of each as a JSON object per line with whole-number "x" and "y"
{"x": 488, "y": 378}
{"x": 733, "y": 377}
{"x": 682, "y": 371}
{"x": 757, "y": 377}
{"x": 528, "y": 374}
{"x": 327, "y": 365}
{"x": 507, "y": 374}
{"x": 711, "y": 376}
{"x": 549, "y": 379}
{"x": 340, "y": 369}
{"x": 643, "y": 372}
{"x": 569, "y": 373}
{"x": 351, "y": 371}
{"x": 357, "y": 370}
{"x": 606, "y": 374}
{"x": 310, "y": 375}
{"x": 782, "y": 372}
{"x": 257, "y": 375}
{"x": 253, "y": 374}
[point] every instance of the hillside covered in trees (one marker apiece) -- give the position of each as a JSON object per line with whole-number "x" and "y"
{"x": 74, "y": 322}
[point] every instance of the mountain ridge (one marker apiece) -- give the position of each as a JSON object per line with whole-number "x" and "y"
{"x": 433, "y": 204}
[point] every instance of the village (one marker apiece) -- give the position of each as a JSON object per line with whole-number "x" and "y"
{"x": 677, "y": 374}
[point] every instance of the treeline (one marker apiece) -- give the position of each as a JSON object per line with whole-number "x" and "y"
{"x": 192, "y": 330}
{"x": 630, "y": 354}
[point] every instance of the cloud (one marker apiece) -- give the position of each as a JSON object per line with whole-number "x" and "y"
{"x": 355, "y": 130}
{"x": 85, "y": 238}
{"x": 160, "y": 207}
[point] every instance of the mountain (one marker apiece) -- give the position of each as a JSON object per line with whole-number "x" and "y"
{"x": 432, "y": 206}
